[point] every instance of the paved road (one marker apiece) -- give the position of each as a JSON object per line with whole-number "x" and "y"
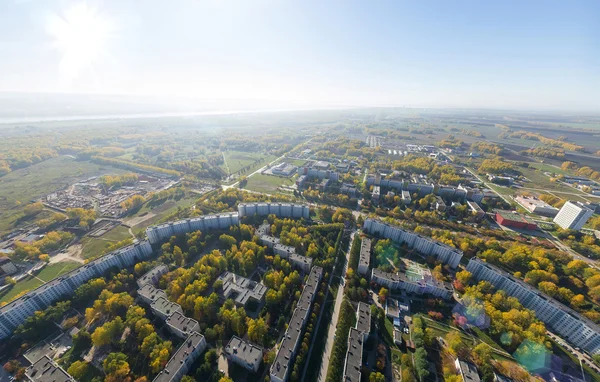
{"x": 335, "y": 316}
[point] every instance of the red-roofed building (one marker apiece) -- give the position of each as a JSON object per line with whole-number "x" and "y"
{"x": 514, "y": 220}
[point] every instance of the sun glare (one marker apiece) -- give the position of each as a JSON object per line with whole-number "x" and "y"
{"x": 81, "y": 33}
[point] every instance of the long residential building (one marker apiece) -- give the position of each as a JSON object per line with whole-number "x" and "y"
{"x": 163, "y": 232}
{"x": 400, "y": 281}
{"x": 287, "y": 252}
{"x": 182, "y": 359}
{"x": 424, "y": 245}
{"x": 364, "y": 260}
{"x": 46, "y": 370}
{"x": 15, "y": 313}
{"x": 354, "y": 355}
{"x": 284, "y": 359}
{"x": 570, "y": 325}
{"x": 281, "y": 210}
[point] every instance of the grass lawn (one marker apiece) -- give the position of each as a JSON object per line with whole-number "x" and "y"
{"x": 93, "y": 247}
{"x": 267, "y": 183}
{"x": 116, "y": 234}
{"x": 50, "y": 272}
{"x": 22, "y": 186}
{"x": 237, "y": 160}
{"x": 295, "y": 162}
{"x": 548, "y": 168}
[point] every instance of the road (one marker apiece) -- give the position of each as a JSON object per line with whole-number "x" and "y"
{"x": 485, "y": 184}
{"x": 334, "y": 318}
{"x": 581, "y": 356}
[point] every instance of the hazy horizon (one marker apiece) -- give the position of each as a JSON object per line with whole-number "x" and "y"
{"x": 536, "y": 56}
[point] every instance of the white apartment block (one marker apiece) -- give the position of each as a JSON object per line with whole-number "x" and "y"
{"x": 424, "y": 245}
{"x": 570, "y": 325}
{"x": 163, "y": 232}
{"x": 399, "y": 281}
{"x": 573, "y": 215}
{"x": 15, "y": 313}
{"x": 281, "y": 210}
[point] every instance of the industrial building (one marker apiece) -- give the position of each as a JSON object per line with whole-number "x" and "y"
{"x": 281, "y": 210}
{"x": 244, "y": 353}
{"x": 514, "y": 220}
{"x": 570, "y": 325}
{"x": 424, "y": 245}
{"x": 573, "y": 215}
{"x": 284, "y": 359}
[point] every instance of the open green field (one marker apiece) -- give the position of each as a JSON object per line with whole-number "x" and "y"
{"x": 238, "y": 160}
{"x": 116, "y": 234}
{"x": 50, "y": 272}
{"x": 548, "y": 168}
{"x": 267, "y": 183}
{"x": 19, "y": 187}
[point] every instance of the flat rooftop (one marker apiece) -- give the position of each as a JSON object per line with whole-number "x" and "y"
{"x": 46, "y": 369}
{"x": 516, "y": 217}
{"x": 353, "y": 356}
{"x": 165, "y": 306}
{"x": 365, "y": 252}
{"x": 182, "y": 323}
{"x": 244, "y": 350}
{"x": 147, "y": 277}
{"x": 469, "y": 371}
{"x": 150, "y": 292}
{"x": 363, "y": 319}
{"x": 177, "y": 360}
{"x": 242, "y": 287}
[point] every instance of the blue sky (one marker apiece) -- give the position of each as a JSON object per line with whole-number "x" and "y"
{"x": 541, "y": 55}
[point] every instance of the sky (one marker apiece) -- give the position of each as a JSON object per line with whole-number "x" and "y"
{"x": 538, "y": 55}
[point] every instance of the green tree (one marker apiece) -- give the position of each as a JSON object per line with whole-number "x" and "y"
{"x": 116, "y": 366}
{"x": 78, "y": 369}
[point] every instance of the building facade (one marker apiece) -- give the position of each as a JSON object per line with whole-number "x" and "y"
{"x": 573, "y": 215}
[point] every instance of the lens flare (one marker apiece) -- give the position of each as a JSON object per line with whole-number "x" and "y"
{"x": 81, "y": 34}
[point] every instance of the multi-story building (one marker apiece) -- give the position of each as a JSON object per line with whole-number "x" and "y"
{"x": 467, "y": 371}
{"x": 354, "y": 354}
{"x": 182, "y": 359}
{"x": 148, "y": 293}
{"x": 573, "y": 215}
{"x": 284, "y": 359}
{"x": 570, "y": 325}
{"x": 477, "y": 212}
{"x": 46, "y": 370}
{"x": 241, "y": 289}
{"x": 424, "y": 245}
{"x": 244, "y": 353}
{"x": 281, "y": 210}
{"x": 412, "y": 284}
{"x": 440, "y": 205}
{"x": 163, "y": 232}
{"x": 15, "y": 313}
{"x": 163, "y": 308}
{"x": 181, "y": 325}
{"x": 365, "y": 256}
{"x": 153, "y": 275}
{"x": 536, "y": 206}
{"x": 289, "y": 253}
{"x": 406, "y": 199}
{"x": 363, "y": 319}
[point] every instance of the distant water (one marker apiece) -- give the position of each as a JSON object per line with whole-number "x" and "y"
{"x": 136, "y": 116}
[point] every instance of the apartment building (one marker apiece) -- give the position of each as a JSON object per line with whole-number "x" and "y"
{"x": 564, "y": 321}
{"x": 15, "y": 313}
{"x": 182, "y": 359}
{"x": 284, "y": 359}
{"x": 153, "y": 275}
{"x": 424, "y": 245}
{"x": 149, "y": 293}
{"x": 163, "y": 308}
{"x": 573, "y": 215}
{"x": 354, "y": 355}
{"x": 363, "y": 319}
{"x": 365, "y": 256}
{"x": 410, "y": 284}
{"x": 281, "y": 210}
{"x": 163, "y": 232}
{"x": 297, "y": 261}
{"x": 244, "y": 353}
{"x": 181, "y": 325}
